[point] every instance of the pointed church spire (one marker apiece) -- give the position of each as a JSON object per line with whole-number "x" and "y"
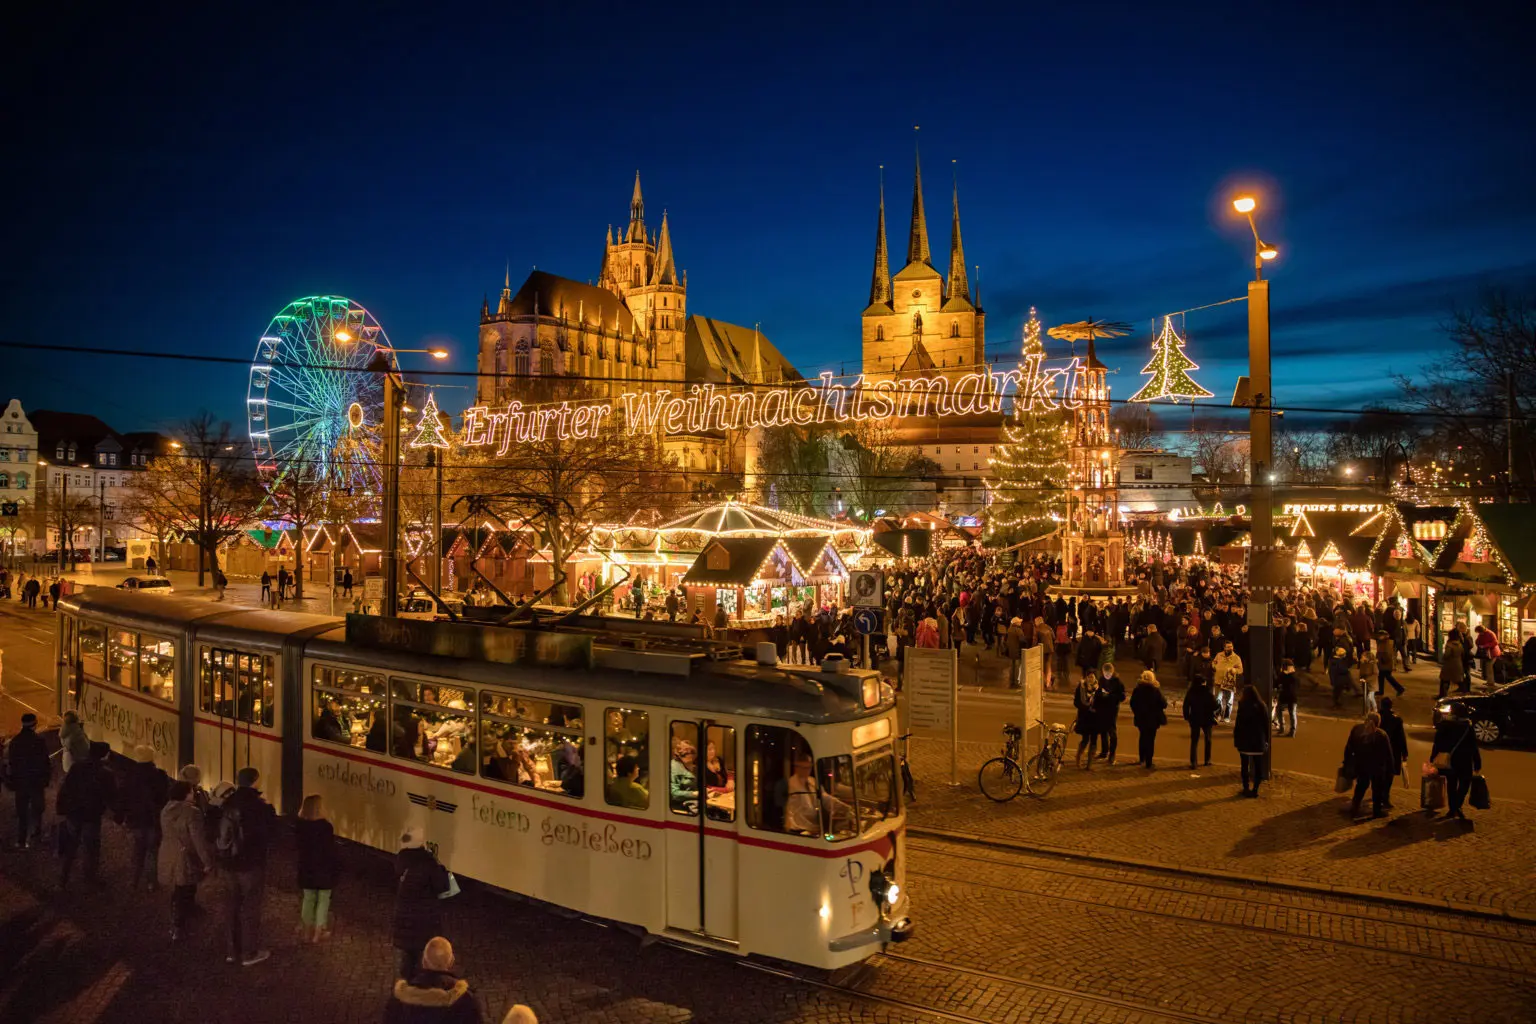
{"x": 504, "y": 307}
{"x": 959, "y": 285}
{"x": 917, "y": 242}
{"x": 666, "y": 270}
{"x": 485, "y": 308}
{"x": 636, "y": 232}
{"x": 880, "y": 282}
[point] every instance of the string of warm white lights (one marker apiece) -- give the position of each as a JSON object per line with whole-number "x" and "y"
{"x": 1029, "y": 462}
{"x": 1169, "y": 369}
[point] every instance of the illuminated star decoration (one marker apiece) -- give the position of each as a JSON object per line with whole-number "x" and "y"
{"x": 1169, "y": 370}
{"x": 429, "y": 429}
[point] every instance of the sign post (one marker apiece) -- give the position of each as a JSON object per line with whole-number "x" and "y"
{"x": 933, "y": 698}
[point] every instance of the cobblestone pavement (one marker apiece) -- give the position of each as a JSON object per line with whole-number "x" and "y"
{"x": 1002, "y": 936}
{"x": 1298, "y": 831}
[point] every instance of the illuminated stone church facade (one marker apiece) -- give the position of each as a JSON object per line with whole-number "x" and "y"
{"x": 629, "y": 329}
{"x": 919, "y": 321}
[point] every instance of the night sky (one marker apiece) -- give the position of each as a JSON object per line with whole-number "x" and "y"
{"x": 173, "y": 182}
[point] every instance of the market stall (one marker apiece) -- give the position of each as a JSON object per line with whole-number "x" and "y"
{"x": 757, "y": 578}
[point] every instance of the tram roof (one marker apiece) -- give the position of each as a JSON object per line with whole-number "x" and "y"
{"x": 125, "y": 608}
{"x": 740, "y": 687}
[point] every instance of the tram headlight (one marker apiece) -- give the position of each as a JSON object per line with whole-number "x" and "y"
{"x": 892, "y": 893}
{"x": 882, "y": 885}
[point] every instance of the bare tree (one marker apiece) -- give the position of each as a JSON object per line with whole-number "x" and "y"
{"x": 1214, "y": 451}
{"x": 564, "y": 486}
{"x": 794, "y": 468}
{"x": 1301, "y": 456}
{"x": 205, "y": 489}
{"x": 876, "y": 472}
{"x": 301, "y": 498}
{"x": 1490, "y": 375}
{"x": 1137, "y": 425}
{"x": 1376, "y": 437}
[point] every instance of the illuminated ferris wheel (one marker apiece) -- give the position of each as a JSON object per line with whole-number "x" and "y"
{"x": 310, "y": 402}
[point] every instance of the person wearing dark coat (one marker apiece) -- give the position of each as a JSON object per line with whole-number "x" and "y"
{"x": 141, "y": 794}
{"x": 1528, "y": 657}
{"x": 1368, "y": 759}
{"x": 328, "y": 726}
{"x": 1285, "y": 697}
{"x": 1106, "y": 706}
{"x": 318, "y": 868}
{"x": 1454, "y": 736}
{"x": 1392, "y": 725}
{"x": 29, "y": 773}
{"x": 433, "y": 993}
{"x": 185, "y": 856}
{"x": 1089, "y": 649}
{"x": 86, "y": 794}
{"x": 1250, "y": 735}
{"x": 420, "y": 882}
{"x": 1200, "y": 713}
{"x": 1149, "y": 710}
{"x": 246, "y": 813}
{"x": 1087, "y": 723}
{"x": 1452, "y": 668}
{"x": 1153, "y": 648}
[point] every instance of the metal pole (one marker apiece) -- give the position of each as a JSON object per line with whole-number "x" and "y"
{"x": 101, "y": 525}
{"x": 1261, "y": 651}
{"x": 202, "y": 520}
{"x": 392, "y": 399}
{"x": 437, "y": 524}
{"x": 1509, "y": 437}
{"x": 63, "y": 517}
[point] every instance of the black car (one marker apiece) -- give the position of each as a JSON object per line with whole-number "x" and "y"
{"x": 1507, "y": 713}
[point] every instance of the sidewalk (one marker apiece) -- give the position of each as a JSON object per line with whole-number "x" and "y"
{"x": 1298, "y": 833}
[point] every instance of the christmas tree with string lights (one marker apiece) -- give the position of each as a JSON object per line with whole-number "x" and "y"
{"x": 1029, "y": 465}
{"x": 429, "y": 429}
{"x": 1169, "y": 370}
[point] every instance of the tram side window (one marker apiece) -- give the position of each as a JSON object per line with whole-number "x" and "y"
{"x": 157, "y": 667}
{"x": 123, "y": 658}
{"x": 350, "y": 707}
{"x": 534, "y": 743}
{"x": 627, "y": 758}
{"x": 433, "y": 724}
{"x": 71, "y": 655}
{"x": 93, "y": 647}
{"x": 238, "y": 685}
{"x": 718, "y": 766}
{"x": 781, "y": 791}
{"x": 683, "y": 769}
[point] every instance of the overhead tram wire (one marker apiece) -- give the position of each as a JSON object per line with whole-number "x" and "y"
{"x": 592, "y": 378}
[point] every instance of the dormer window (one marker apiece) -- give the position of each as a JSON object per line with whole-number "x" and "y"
{"x": 58, "y": 453}
{"x": 101, "y": 458}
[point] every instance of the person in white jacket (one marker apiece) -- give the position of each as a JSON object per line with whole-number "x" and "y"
{"x": 1229, "y": 672}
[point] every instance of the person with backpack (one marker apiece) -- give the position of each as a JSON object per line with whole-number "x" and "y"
{"x": 29, "y": 774}
{"x": 246, "y": 825}
{"x": 421, "y": 884}
{"x": 87, "y": 792}
{"x": 141, "y": 795}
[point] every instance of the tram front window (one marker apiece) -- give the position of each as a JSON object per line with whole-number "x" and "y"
{"x": 874, "y": 776}
{"x": 433, "y": 724}
{"x": 835, "y": 775}
{"x": 350, "y": 707}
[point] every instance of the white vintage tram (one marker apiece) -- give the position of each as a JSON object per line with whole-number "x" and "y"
{"x": 637, "y": 772}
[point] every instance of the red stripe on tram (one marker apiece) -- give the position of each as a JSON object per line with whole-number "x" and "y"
{"x": 677, "y": 825}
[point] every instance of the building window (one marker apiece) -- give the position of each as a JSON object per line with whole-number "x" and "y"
{"x": 975, "y": 465}
{"x": 58, "y": 453}
{"x": 1143, "y": 472}
{"x": 21, "y": 481}
{"x": 975, "y": 449}
{"x": 5, "y": 480}
{"x": 5, "y": 455}
{"x": 957, "y": 467}
{"x": 71, "y": 455}
{"x": 112, "y": 459}
{"x": 522, "y": 366}
{"x": 954, "y": 329}
{"x": 546, "y": 361}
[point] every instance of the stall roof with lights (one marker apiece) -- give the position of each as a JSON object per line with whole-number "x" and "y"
{"x": 731, "y": 561}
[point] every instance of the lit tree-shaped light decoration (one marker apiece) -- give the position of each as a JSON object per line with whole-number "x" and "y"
{"x": 1169, "y": 369}
{"x": 429, "y": 429}
{"x": 1029, "y": 464}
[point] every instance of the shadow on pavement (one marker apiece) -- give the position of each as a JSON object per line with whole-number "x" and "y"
{"x": 1397, "y": 832}
{"x": 1292, "y": 830}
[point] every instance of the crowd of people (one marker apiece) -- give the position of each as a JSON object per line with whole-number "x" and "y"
{"x": 183, "y": 838}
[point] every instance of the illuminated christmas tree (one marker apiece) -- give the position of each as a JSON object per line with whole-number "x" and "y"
{"x": 1170, "y": 370}
{"x": 429, "y": 429}
{"x": 1029, "y": 465}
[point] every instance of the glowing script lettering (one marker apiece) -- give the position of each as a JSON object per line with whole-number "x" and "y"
{"x": 706, "y": 407}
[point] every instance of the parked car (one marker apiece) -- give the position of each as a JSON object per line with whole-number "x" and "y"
{"x": 1507, "y": 713}
{"x": 147, "y": 585}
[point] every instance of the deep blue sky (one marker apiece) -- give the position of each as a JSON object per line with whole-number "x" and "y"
{"x": 172, "y": 182}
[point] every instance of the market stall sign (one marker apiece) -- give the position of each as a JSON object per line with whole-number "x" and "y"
{"x": 471, "y": 641}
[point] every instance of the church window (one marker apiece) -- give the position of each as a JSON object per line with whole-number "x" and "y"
{"x": 521, "y": 366}
{"x": 880, "y": 332}
{"x": 546, "y": 361}
{"x": 501, "y": 357}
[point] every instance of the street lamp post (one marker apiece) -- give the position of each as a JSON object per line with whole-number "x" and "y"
{"x": 1262, "y": 554}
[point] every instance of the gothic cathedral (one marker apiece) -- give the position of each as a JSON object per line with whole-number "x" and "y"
{"x": 917, "y": 322}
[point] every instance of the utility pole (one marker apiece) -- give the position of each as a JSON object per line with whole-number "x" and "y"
{"x": 1509, "y": 436}
{"x": 435, "y": 459}
{"x": 393, "y": 398}
{"x": 101, "y": 524}
{"x": 64, "y": 517}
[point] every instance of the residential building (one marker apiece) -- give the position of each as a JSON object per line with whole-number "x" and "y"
{"x": 1153, "y": 480}
{"x": 18, "y": 479}
{"x": 81, "y": 460}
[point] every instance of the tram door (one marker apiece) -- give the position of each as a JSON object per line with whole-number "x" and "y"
{"x": 701, "y": 847}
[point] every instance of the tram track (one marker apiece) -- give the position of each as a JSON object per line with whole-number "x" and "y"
{"x": 1482, "y": 929}
{"x": 1142, "y": 1012}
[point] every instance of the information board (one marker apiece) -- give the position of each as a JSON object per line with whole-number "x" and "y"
{"x": 931, "y": 687}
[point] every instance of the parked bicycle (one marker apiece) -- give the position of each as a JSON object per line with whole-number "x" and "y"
{"x": 1040, "y": 774}
{"x": 1002, "y": 777}
{"x": 908, "y": 787}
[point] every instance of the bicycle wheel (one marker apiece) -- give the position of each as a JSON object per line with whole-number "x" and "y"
{"x": 1000, "y": 779}
{"x": 1040, "y": 774}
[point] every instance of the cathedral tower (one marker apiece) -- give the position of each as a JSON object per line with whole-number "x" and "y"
{"x": 641, "y": 269}
{"x": 917, "y": 323}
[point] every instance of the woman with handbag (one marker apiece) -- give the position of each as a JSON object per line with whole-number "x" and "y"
{"x": 422, "y": 882}
{"x": 1456, "y": 757}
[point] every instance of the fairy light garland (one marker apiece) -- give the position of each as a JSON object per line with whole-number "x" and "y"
{"x": 1169, "y": 369}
